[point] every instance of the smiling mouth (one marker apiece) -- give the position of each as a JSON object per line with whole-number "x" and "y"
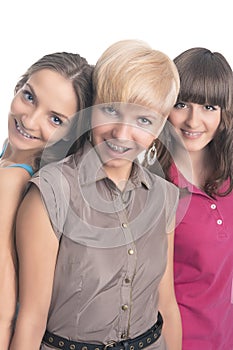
{"x": 23, "y": 133}
{"x": 115, "y": 148}
{"x": 192, "y": 134}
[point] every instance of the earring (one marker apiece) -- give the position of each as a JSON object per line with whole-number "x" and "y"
{"x": 90, "y": 137}
{"x": 151, "y": 155}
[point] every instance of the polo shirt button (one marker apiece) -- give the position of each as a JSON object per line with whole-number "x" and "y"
{"x": 127, "y": 280}
{"x": 213, "y": 206}
{"x": 124, "y": 225}
{"x": 124, "y": 307}
{"x": 219, "y": 222}
{"x": 130, "y": 252}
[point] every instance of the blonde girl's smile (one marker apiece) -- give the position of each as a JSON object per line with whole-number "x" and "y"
{"x": 120, "y": 132}
{"x": 117, "y": 148}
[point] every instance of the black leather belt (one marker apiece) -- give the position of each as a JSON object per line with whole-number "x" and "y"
{"x": 138, "y": 343}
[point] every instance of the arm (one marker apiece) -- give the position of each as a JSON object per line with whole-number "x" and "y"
{"x": 12, "y": 186}
{"x": 167, "y": 303}
{"x": 37, "y": 248}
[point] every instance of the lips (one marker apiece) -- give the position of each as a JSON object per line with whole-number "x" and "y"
{"x": 23, "y": 133}
{"x": 193, "y": 134}
{"x": 117, "y": 148}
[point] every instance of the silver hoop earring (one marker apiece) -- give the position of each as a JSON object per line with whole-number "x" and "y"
{"x": 151, "y": 155}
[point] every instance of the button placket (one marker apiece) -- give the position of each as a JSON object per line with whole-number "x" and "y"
{"x": 219, "y": 222}
{"x": 126, "y": 288}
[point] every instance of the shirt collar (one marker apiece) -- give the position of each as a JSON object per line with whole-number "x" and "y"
{"x": 178, "y": 179}
{"x": 90, "y": 169}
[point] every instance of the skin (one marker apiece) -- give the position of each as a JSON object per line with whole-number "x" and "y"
{"x": 120, "y": 133}
{"x": 40, "y": 113}
{"x": 38, "y": 250}
{"x": 196, "y": 126}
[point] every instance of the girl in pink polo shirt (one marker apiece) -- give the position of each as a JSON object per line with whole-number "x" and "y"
{"x": 202, "y": 119}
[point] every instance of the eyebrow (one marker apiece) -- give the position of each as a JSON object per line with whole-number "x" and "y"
{"x": 54, "y": 112}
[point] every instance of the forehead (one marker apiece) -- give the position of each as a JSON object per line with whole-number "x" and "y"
{"x": 54, "y": 90}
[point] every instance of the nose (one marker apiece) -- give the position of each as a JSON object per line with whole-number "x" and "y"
{"x": 192, "y": 120}
{"x": 31, "y": 120}
{"x": 121, "y": 131}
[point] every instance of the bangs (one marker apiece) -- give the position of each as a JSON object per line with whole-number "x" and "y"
{"x": 150, "y": 93}
{"x": 205, "y": 80}
{"x": 205, "y": 90}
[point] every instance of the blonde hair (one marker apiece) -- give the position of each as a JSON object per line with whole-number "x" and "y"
{"x": 129, "y": 71}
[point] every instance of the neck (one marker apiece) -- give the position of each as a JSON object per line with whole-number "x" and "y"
{"x": 12, "y": 155}
{"x": 196, "y": 167}
{"x": 118, "y": 176}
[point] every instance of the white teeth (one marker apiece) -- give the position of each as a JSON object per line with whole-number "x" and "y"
{"x": 191, "y": 133}
{"x": 23, "y": 132}
{"x": 116, "y": 148}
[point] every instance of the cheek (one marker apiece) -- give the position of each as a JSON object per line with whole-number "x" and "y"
{"x": 172, "y": 121}
{"x": 16, "y": 105}
{"x": 98, "y": 132}
{"x": 52, "y": 136}
{"x": 214, "y": 124}
{"x": 145, "y": 140}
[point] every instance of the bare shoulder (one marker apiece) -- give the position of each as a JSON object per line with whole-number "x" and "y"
{"x": 13, "y": 178}
{"x": 13, "y": 182}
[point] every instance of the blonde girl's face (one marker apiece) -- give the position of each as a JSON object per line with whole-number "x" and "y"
{"x": 41, "y": 111}
{"x": 121, "y": 132}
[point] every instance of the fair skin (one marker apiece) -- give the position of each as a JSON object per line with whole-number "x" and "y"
{"x": 40, "y": 114}
{"x": 117, "y": 142}
{"x": 196, "y": 126}
{"x": 172, "y": 329}
{"x": 120, "y": 133}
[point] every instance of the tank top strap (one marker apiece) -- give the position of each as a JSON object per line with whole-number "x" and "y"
{"x": 27, "y": 167}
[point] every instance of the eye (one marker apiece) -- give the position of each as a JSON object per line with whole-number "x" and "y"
{"x": 28, "y": 95}
{"x": 144, "y": 121}
{"x": 56, "y": 120}
{"x": 180, "y": 105}
{"x": 210, "y": 108}
{"x": 110, "y": 110}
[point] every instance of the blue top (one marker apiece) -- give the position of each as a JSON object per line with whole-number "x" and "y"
{"x": 27, "y": 167}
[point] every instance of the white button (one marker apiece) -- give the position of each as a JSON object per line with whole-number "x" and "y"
{"x": 219, "y": 222}
{"x": 213, "y": 206}
{"x": 124, "y": 225}
{"x": 130, "y": 251}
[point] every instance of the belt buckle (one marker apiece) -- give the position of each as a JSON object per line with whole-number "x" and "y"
{"x": 110, "y": 344}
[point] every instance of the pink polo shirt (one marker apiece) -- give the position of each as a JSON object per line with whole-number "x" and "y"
{"x": 204, "y": 268}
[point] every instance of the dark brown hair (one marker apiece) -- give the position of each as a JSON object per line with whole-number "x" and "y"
{"x": 206, "y": 78}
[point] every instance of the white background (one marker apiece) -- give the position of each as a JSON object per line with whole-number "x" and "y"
{"x": 31, "y": 29}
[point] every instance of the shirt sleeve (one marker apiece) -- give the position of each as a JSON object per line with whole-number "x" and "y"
{"x": 55, "y": 193}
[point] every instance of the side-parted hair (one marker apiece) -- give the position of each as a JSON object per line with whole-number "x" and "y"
{"x": 129, "y": 71}
{"x": 72, "y": 67}
{"x": 206, "y": 78}
{"x": 78, "y": 71}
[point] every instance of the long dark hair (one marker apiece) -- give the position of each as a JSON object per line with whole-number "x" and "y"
{"x": 206, "y": 78}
